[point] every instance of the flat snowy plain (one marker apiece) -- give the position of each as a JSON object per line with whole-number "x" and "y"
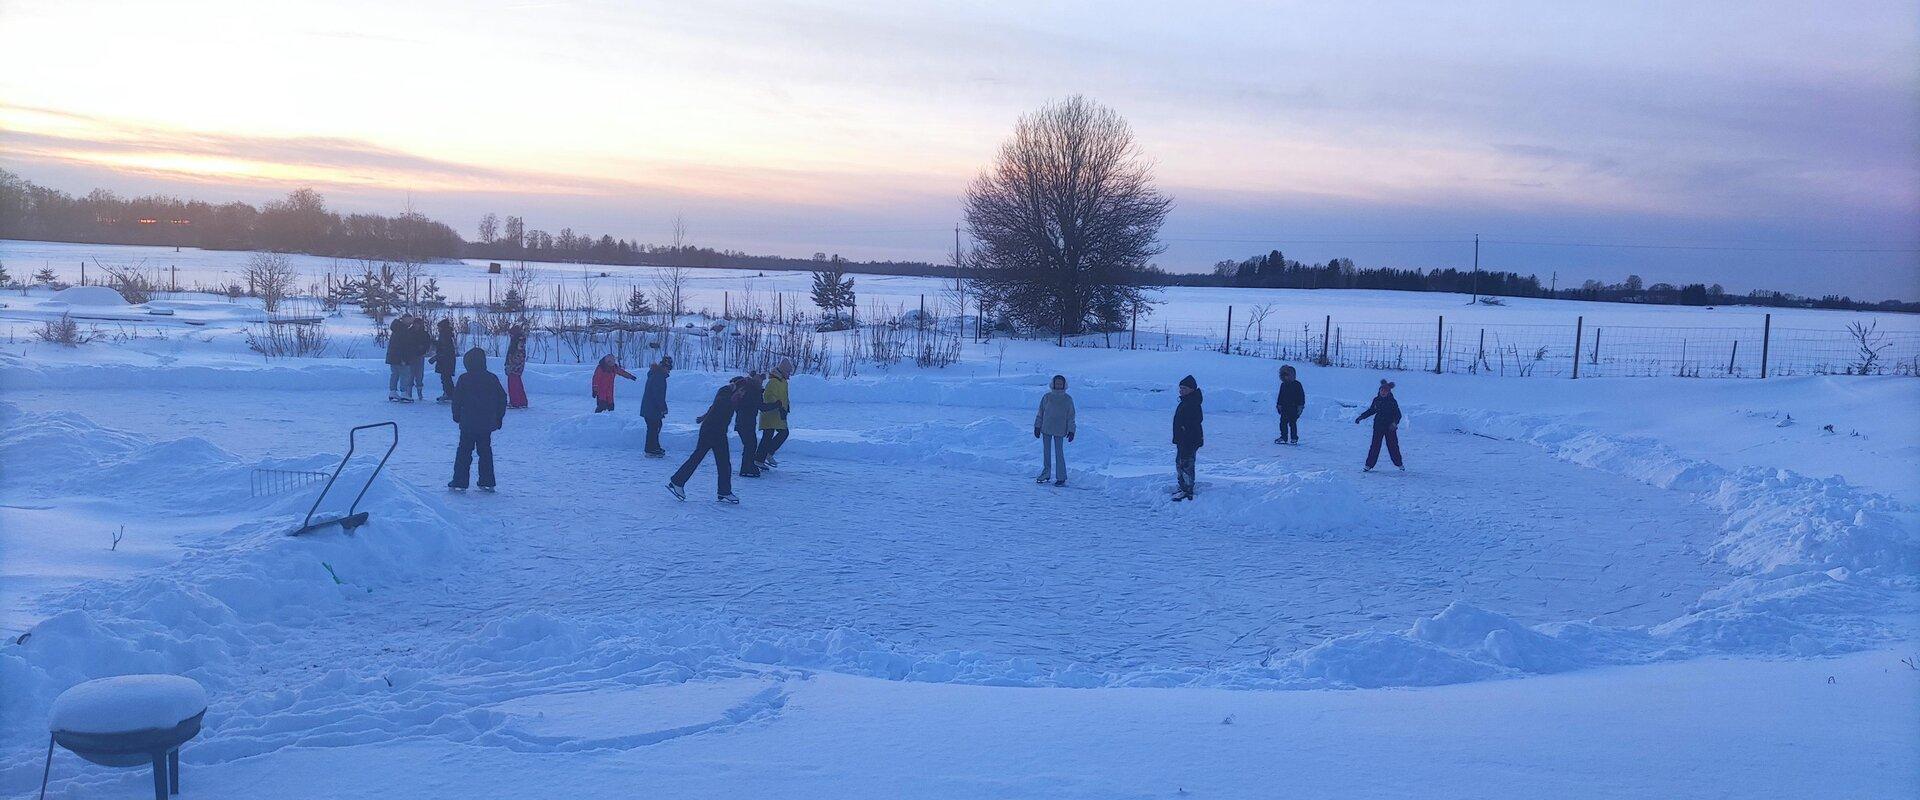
{"x": 1646, "y": 587}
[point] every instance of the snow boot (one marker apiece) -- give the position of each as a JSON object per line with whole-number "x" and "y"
{"x": 727, "y": 498}
{"x": 677, "y": 491}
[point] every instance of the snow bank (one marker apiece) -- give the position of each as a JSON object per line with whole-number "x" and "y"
{"x": 88, "y": 296}
{"x": 235, "y": 588}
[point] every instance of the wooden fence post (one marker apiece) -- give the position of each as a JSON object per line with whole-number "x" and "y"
{"x": 1480, "y": 356}
{"x": 1439, "y": 344}
{"x": 1133, "y": 329}
{"x": 1578, "y": 334}
{"x": 1766, "y": 339}
{"x": 1326, "y": 329}
{"x": 1596, "y": 346}
{"x": 726, "y": 305}
{"x": 1228, "y": 346}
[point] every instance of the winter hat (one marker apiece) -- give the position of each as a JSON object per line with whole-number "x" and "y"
{"x": 1386, "y": 384}
{"x": 1189, "y": 382}
{"x": 785, "y": 367}
{"x": 476, "y": 360}
{"x": 1062, "y": 379}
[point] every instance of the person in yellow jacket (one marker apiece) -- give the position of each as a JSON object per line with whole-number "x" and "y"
{"x": 774, "y": 408}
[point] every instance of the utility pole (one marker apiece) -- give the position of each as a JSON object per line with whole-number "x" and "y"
{"x": 1554, "y": 287}
{"x": 1476, "y": 270}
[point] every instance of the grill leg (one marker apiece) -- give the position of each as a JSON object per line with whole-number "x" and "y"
{"x": 173, "y": 771}
{"x": 159, "y": 776}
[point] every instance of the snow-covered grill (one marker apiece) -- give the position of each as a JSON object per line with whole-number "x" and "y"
{"x": 127, "y": 721}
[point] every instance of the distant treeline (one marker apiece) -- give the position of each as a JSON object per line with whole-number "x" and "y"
{"x": 301, "y": 223}
{"x": 1275, "y": 271}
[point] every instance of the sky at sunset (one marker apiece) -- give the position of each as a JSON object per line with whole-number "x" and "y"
{"x": 1755, "y": 144}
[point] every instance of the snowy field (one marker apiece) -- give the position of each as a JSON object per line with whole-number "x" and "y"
{"x": 1651, "y": 587}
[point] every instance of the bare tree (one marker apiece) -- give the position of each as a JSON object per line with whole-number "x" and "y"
{"x": 1257, "y": 322}
{"x": 1067, "y": 218}
{"x": 489, "y": 228}
{"x": 271, "y": 276}
{"x": 670, "y": 287}
{"x": 1870, "y": 341}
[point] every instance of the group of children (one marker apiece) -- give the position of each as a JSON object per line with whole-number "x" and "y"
{"x": 757, "y": 407}
{"x": 1054, "y": 426}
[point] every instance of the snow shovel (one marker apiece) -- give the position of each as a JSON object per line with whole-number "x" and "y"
{"x": 354, "y": 517}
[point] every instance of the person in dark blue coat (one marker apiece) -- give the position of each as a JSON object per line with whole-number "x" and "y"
{"x": 1188, "y": 437}
{"x": 479, "y": 406}
{"x": 1385, "y": 412}
{"x": 653, "y": 403}
{"x": 746, "y": 421}
{"x": 1292, "y": 398}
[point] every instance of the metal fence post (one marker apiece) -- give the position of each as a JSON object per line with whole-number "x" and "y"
{"x": 1133, "y": 329}
{"x": 1596, "y": 346}
{"x": 1766, "y": 339}
{"x": 1326, "y": 331}
{"x": 1228, "y": 347}
{"x": 1734, "y": 355}
{"x": 1439, "y": 344}
{"x": 1578, "y": 334}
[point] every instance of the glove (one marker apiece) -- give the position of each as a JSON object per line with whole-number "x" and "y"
{"x": 1356, "y": 422}
{"x": 1069, "y": 436}
{"x": 1036, "y": 431}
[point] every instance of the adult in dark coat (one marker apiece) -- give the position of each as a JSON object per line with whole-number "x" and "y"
{"x": 397, "y": 348}
{"x": 746, "y": 419}
{"x": 713, "y": 438}
{"x": 1292, "y": 398}
{"x": 479, "y": 406}
{"x": 1385, "y": 411}
{"x": 653, "y": 403}
{"x": 1188, "y": 437}
{"x": 444, "y": 359}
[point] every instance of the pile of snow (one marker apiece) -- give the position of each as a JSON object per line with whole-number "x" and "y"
{"x": 234, "y": 588}
{"x": 89, "y": 296}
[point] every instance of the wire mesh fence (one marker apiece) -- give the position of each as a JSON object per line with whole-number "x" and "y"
{"x": 1576, "y": 349}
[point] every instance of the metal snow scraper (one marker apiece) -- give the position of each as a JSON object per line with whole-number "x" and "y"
{"x": 354, "y": 518}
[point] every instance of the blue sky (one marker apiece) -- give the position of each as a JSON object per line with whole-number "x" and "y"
{"x": 1779, "y": 143}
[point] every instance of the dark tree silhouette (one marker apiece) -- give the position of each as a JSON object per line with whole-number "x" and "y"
{"x": 1066, "y": 219}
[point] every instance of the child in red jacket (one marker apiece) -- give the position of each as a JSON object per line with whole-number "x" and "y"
{"x": 603, "y": 383}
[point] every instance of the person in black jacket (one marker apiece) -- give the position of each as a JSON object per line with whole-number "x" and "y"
{"x": 479, "y": 406}
{"x": 397, "y": 345}
{"x": 1187, "y": 436}
{"x": 443, "y": 360}
{"x": 1385, "y": 412}
{"x": 1293, "y": 397}
{"x": 713, "y": 437}
{"x": 746, "y": 421}
{"x": 653, "y": 403}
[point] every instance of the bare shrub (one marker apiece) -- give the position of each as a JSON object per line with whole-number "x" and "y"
{"x": 283, "y": 341}
{"x": 271, "y": 276}
{"x": 1869, "y": 341}
{"x": 65, "y": 331}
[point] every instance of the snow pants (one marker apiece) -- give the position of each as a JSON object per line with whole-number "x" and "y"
{"x": 770, "y": 441}
{"x": 653, "y": 434}
{"x": 472, "y": 441}
{"x": 1290, "y": 424}
{"x": 722, "y": 459}
{"x": 600, "y": 405}
{"x": 1053, "y": 449}
{"x": 1391, "y": 436}
{"x": 397, "y": 379}
{"x": 1183, "y": 459}
{"x": 516, "y": 391}
{"x": 749, "y": 462}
